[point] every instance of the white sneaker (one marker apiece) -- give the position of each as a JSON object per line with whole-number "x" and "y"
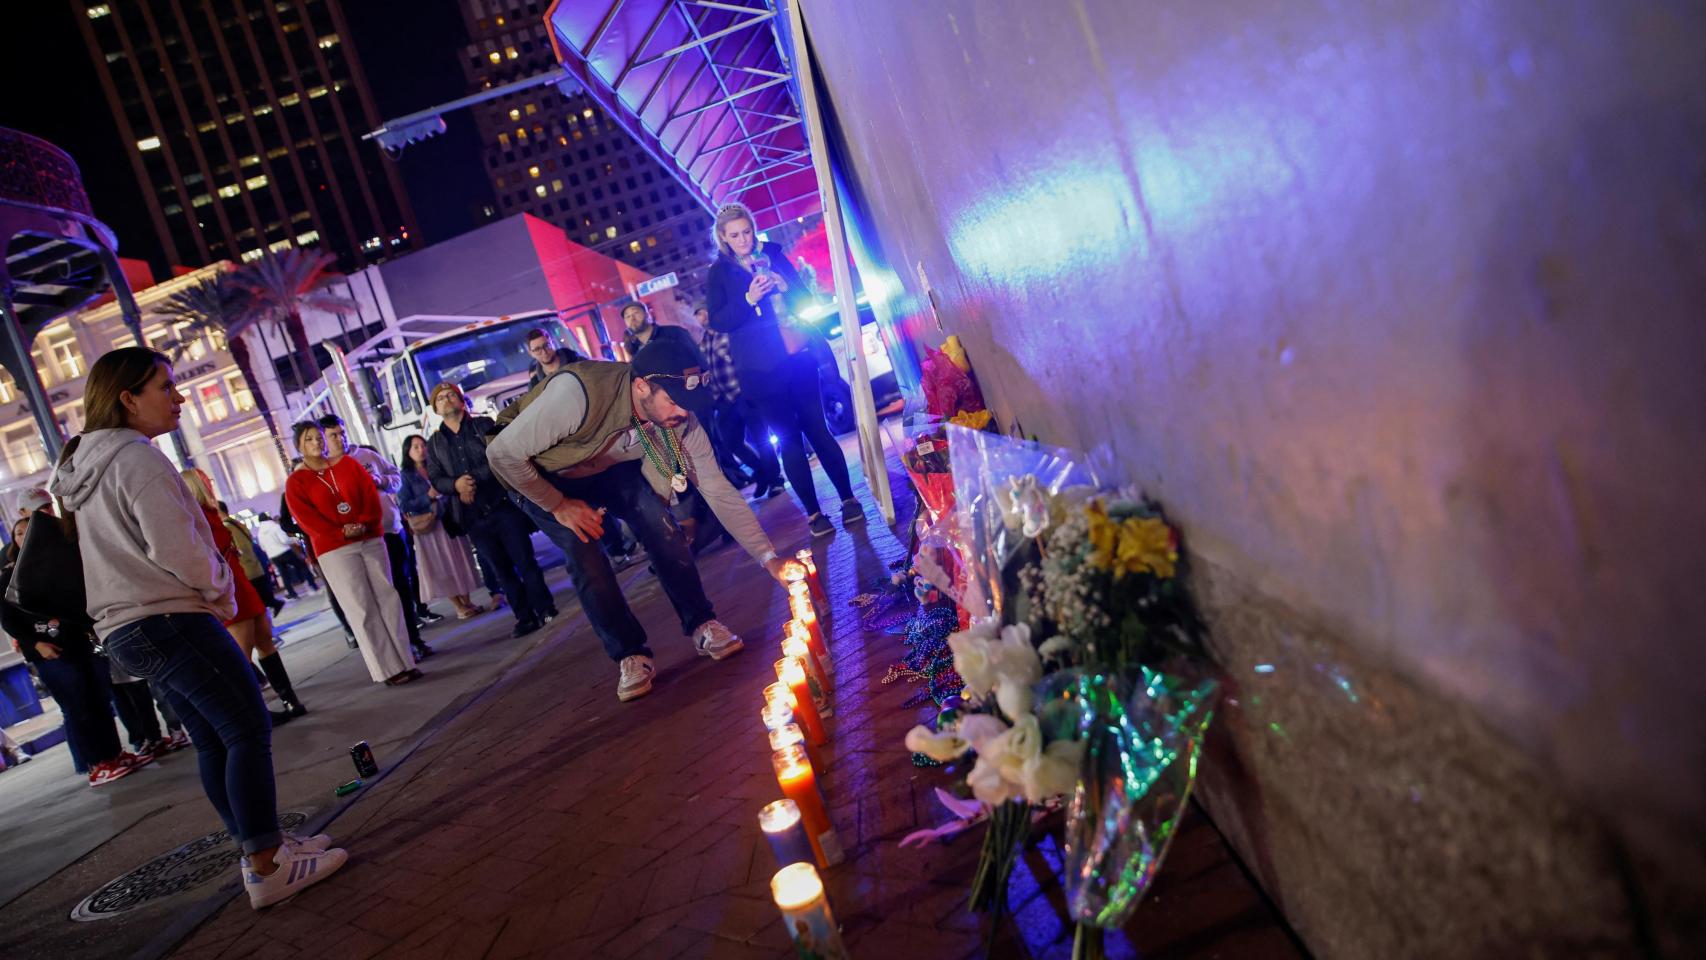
{"x": 296, "y": 868}
{"x": 636, "y": 681}
{"x": 717, "y": 641}
{"x": 319, "y": 842}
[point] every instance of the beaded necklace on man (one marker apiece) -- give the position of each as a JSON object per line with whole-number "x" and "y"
{"x": 676, "y": 471}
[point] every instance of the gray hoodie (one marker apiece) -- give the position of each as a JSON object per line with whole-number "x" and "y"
{"x": 146, "y": 546}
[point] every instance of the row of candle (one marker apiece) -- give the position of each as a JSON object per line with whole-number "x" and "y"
{"x": 798, "y": 827}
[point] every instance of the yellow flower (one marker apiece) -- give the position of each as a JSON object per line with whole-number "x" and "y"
{"x": 975, "y": 421}
{"x": 957, "y": 353}
{"x": 1145, "y": 543}
{"x": 1104, "y": 536}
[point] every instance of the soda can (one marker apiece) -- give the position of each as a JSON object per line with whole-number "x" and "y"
{"x": 365, "y": 765}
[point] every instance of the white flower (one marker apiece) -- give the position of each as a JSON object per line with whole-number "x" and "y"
{"x": 1053, "y": 772}
{"x": 1013, "y": 658}
{"x": 1015, "y": 698}
{"x": 972, "y": 657}
{"x": 936, "y": 746}
{"x": 978, "y": 729}
{"x": 1054, "y": 647}
{"x": 988, "y": 785}
{"x": 1021, "y": 742}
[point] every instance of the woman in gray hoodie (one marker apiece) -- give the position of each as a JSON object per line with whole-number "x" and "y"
{"x": 158, "y": 591}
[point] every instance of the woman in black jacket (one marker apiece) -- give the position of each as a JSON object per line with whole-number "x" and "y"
{"x": 746, "y": 285}
{"x": 60, "y": 643}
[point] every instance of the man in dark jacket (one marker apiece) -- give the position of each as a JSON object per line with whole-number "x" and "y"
{"x": 548, "y": 358}
{"x": 456, "y": 465}
{"x": 642, "y": 330}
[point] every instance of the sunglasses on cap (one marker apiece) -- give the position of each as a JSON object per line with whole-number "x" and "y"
{"x": 691, "y": 380}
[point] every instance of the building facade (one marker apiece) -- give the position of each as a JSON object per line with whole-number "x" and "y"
{"x": 563, "y": 160}
{"x": 242, "y": 121}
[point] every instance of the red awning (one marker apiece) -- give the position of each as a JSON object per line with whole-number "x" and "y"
{"x": 705, "y": 86}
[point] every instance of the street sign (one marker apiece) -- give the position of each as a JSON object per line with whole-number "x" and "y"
{"x": 646, "y": 288}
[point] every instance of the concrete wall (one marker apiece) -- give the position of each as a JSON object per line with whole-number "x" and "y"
{"x": 1399, "y": 308}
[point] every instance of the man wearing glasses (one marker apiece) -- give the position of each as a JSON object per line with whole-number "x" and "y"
{"x": 622, "y": 440}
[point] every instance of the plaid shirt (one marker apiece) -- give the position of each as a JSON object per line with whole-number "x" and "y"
{"x": 725, "y": 388}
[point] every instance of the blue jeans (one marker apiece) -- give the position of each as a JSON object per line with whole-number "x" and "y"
{"x": 210, "y": 686}
{"x": 83, "y": 689}
{"x": 625, "y": 495}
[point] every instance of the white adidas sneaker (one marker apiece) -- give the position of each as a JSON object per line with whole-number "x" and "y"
{"x": 716, "y": 641}
{"x": 636, "y": 679}
{"x": 295, "y": 869}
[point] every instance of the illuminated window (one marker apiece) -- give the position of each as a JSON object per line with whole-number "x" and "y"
{"x": 263, "y": 110}
{"x": 587, "y": 113}
{"x": 216, "y": 338}
{"x": 563, "y": 140}
{"x": 651, "y": 241}
{"x": 64, "y": 359}
{"x": 556, "y": 186}
{"x": 540, "y": 190}
{"x": 24, "y": 454}
{"x": 233, "y": 118}
{"x": 633, "y": 246}
{"x": 503, "y": 140}
{"x": 253, "y": 467}
{"x": 241, "y": 398}
{"x": 8, "y": 387}
{"x": 99, "y": 10}
{"x": 510, "y": 52}
{"x": 531, "y": 109}
{"x": 194, "y": 348}
{"x": 533, "y": 172}
{"x": 304, "y": 239}
{"x": 148, "y": 143}
{"x": 207, "y": 127}
{"x": 520, "y": 133}
{"x": 610, "y": 233}
{"x": 500, "y": 21}
{"x": 514, "y": 114}
{"x": 213, "y": 404}
{"x": 501, "y": 183}
{"x": 255, "y": 183}
{"x": 290, "y": 100}
{"x": 230, "y": 191}
{"x": 250, "y": 256}
{"x": 251, "y": 159}
{"x": 317, "y": 92}
{"x": 328, "y": 41}
{"x": 495, "y": 57}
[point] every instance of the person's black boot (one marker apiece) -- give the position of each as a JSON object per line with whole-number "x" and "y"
{"x": 273, "y": 665}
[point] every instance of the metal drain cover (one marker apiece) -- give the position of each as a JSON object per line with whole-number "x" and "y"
{"x": 189, "y": 866}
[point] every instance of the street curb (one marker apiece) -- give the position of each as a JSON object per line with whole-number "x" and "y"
{"x": 191, "y": 919}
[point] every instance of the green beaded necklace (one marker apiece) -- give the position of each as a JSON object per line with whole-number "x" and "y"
{"x": 678, "y": 475}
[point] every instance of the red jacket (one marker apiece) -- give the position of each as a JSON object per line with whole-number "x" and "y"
{"x": 314, "y": 503}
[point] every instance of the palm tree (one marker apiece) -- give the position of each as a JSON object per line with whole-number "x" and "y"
{"x": 282, "y": 285}
{"x": 222, "y": 304}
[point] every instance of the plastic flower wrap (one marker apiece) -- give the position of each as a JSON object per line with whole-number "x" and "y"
{"x": 1140, "y": 762}
{"x": 947, "y": 388}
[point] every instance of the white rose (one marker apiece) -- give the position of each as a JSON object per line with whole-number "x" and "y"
{"x": 1052, "y": 773}
{"x": 972, "y": 661}
{"x": 1022, "y": 742}
{"x": 1054, "y": 647}
{"x": 936, "y": 746}
{"x": 980, "y": 729}
{"x": 987, "y": 784}
{"x": 1013, "y": 658}
{"x": 1015, "y": 698}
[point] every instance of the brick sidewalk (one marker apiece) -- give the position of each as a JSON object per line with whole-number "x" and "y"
{"x": 550, "y": 820}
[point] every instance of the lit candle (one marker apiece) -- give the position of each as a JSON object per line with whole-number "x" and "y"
{"x": 786, "y": 832}
{"x": 807, "y": 631}
{"x": 776, "y": 713}
{"x": 800, "y": 595}
{"x": 778, "y": 693}
{"x": 798, "y": 892}
{"x": 799, "y": 784}
{"x": 789, "y": 734}
{"x": 797, "y": 648}
{"x": 810, "y": 563}
{"x": 805, "y": 712}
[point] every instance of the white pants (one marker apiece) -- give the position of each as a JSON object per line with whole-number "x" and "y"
{"x": 360, "y": 575}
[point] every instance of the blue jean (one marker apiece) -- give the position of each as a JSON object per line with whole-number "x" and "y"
{"x": 627, "y": 496}
{"x": 210, "y": 686}
{"x": 83, "y": 689}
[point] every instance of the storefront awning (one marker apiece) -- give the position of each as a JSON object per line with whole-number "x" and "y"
{"x": 705, "y": 86}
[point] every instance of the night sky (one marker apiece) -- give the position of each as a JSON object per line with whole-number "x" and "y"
{"x": 410, "y": 51}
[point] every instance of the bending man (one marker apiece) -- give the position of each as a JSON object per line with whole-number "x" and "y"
{"x": 616, "y": 438}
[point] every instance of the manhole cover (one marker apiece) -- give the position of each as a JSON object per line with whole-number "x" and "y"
{"x": 171, "y": 873}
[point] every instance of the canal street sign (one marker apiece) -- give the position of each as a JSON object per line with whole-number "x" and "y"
{"x": 646, "y": 288}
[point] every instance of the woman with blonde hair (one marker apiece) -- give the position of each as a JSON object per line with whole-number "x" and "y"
{"x": 250, "y": 626}
{"x": 158, "y": 590}
{"x": 750, "y": 290}
{"x": 337, "y": 505}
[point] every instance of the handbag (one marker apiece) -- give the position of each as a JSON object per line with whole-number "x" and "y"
{"x": 421, "y": 522}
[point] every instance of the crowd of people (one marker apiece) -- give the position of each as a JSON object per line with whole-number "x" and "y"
{"x": 170, "y": 617}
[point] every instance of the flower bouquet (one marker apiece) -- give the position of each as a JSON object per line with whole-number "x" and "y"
{"x": 1085, "y": 677}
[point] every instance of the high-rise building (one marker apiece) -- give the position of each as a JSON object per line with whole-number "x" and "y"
{"x": 242, "y": 119}
{"x": 561, "y": 159}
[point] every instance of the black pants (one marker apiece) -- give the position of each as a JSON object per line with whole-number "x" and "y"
{"x": 792, "y": 406}
{"x": 403, "y": 581}
{"x": 135, "y": 703}
{"x": 731, "y": 422}
{"x": 624, "y": 494}
{"x": 263, "y": 586}
{"x": 294, "y": 571}
{"x": 504, "y": 539}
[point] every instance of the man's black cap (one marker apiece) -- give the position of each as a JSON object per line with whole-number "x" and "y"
{"x": 678, "y": 369}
